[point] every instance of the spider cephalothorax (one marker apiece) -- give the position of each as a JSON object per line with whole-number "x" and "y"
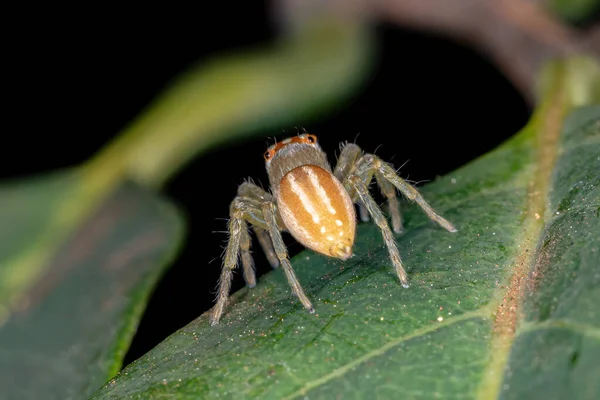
{"x": 316, "y": 206}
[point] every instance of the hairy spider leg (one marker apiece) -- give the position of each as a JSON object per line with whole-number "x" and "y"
{"x": 356, "y": 171}
{"x": 362, "y": 193}
{"x": 357, "y": 186}
{"x": 349, "y": 155}
{"x": 265, "y": 242}
{"x": 247, "y": 261}
{"x": 245, "y": 208}
{"x": 255, "y": 206}
{"x": 370, "y": 164}
{"x": 389, "y": 191}
{"x": 252, "y": 191}
{"x": 269, "y": 212}
{"x": 241, "y": 210}
{"x": 348, "y": 159}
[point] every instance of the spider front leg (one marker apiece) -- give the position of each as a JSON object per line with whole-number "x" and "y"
{"x": 251, "y": 191}
{"x": 239, "y": 239}
{"x": 243, "y": 209}
{"x": 389, "y": 191}
{"x": 255, "y": 206}
{"x": 370, "y": 164}
{"x": 356, "y": 171}
{"x": 361, "y": 190}
{"x": 270, "y": 214}
{"x": 265, "y": 242}
{"x": 347, "y": 161}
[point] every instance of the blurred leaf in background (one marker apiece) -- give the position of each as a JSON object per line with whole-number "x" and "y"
{"x": 574, "y": 11}
{"x": 82, "y": 249}
{"x": 74, "y": 328}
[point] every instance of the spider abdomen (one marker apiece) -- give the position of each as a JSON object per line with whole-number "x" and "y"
{"x": 317, "y": 210}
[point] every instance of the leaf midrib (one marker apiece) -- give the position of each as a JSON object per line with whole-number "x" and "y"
{"x": 508, "y": 314}
{"x": 547, "y": 133}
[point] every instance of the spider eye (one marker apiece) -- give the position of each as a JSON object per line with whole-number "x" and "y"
{"x": 311, "y": 138}
{"x": 268, "y": 154}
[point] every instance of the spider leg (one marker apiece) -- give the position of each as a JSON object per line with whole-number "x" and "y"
{"x": 236, "y": 226}
{"x": 362, "y": 192}
{"x": 356, "y": 171}
{"x": 243, "y": 209}
{"x": 389, "y": 191}
{"x": 371, "y": 162}
{"x": 349, "y": 155}
{"x": 363, "y": 212}
{"x": 265, "y": 242}
{"x": 350, "y": 158}
{"x": 346, "y": 161}
{"x": 247, "y": 261}
{"x": 270, "y": 214}
{"x": 250, "y": 190}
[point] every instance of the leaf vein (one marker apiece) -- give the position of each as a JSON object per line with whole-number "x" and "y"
{"x": 382, "y": 349}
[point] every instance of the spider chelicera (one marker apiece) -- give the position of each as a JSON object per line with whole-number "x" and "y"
{"x": 316, "y": 206}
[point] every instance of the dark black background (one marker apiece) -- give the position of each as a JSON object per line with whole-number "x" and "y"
{"x": 73, "y": 82}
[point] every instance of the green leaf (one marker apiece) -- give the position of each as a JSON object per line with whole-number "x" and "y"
{"x": 574, "y": 11}
{"x": 506, "y": 307}
{"x": 559, "y": 336}
{"x": 50, "y": 345}
{"x": 320, "y": 62}
{"x": 70, "y": 331}
{"x": 301, "y": 76}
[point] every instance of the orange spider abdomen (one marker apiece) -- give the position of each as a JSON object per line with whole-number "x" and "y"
{"x": 317, "y": 211}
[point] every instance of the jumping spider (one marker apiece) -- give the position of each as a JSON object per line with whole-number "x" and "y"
{"x": 316, "y": 206}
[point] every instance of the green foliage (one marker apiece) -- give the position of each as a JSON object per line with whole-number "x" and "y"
{"x": 574, "y": 11}
{"x": 70, "y": 331}
{"x": 555, "y": 354}
{"x": 528, "y": 220}
{"x": 66, "y": 316}
{"x": 81, "y": 250}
